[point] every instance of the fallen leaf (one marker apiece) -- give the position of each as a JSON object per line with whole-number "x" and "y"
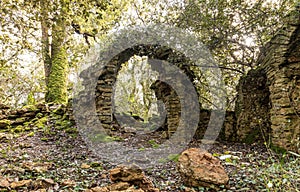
{"x": 98, "y": 189}
{"x": 85, "y": 166}
{"x": 68, "y": 183}
{"x": 43, "y": 183}
{"x": 39, "y": 167}
{"x": 22, "y": 183}
{"x": 4, "y": 182}
{"x": 103, "y": 176}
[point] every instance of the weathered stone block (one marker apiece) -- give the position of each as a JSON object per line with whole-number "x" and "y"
{"x": 198, "y": 168}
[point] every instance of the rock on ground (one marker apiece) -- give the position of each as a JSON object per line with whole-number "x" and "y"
{"x": 198, "y": 168}
{"x": 126, "y": 179}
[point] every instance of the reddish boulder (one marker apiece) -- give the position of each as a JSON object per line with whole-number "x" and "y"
{"x": 199, "y": 168}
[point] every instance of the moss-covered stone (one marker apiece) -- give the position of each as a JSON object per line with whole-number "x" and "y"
{"x": 41, "y": 123}
{"x": 31, "y": 99}
{"x": 31, "y": 134}
{"x": 20, "y": 120}
{"x": 30, "y": 107}
{"x": 18, "y": 129}
{"x": 39, "y": 115}
{"x": 63, "y": 124}
{"x": 4, "y": 124}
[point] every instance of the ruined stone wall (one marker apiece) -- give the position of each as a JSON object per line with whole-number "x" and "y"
{"x": 252, "y": 107}
{"x": 163, "y": 91}
{"x": 268, "y": 104}
{"x": 281, "y": 63}
{"x": 280, "y": 68}
{"x": 171, "y": 101}
{"x": 11, "y": 118}
{"x": 228, "y": 130}
{"x": 14, "y": 117}
{"x": 107, "y": 80}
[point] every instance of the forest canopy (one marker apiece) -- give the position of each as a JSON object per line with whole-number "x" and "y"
{"x": 43, "y": 43}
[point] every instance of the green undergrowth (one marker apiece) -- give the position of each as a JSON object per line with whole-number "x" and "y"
{"x": 280, "y": 172}
{"x": 153, "y": 143}
{"x": 104, "y": 138}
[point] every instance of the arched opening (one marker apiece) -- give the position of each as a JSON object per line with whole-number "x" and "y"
{"x": 108, "y": 107}
{"x": 135, "y": 103}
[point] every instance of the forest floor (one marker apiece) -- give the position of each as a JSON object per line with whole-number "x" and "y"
{"x": 59, "y": 160}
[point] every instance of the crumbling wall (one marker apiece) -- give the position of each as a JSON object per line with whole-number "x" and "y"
{"x": 107, "y": 79}
{"x": 268, "y": 104}
{"x": 276, "y": 114}
{"x": 171, "y": 101}
{"x": 10, "y": 118}
{"x": 228, "y": 129}
{"x": 252, "y": 108}
{"x": 281, "y": 62}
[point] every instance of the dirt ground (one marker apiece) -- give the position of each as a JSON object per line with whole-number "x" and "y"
{"x": 61, "y": 161}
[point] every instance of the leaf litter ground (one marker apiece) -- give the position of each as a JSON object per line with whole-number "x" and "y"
{"x": 61, "y": 161}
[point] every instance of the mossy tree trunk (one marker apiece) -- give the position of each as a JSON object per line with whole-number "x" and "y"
{"x": 54, "y": 54}
{"x": 57, "y": 81}
{"x": 45, "y": 26}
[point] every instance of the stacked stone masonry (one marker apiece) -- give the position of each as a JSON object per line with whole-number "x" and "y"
{"x": 280, "y": 64}
{"x": 107, "y": 80}
{"x": 168, "y": 96}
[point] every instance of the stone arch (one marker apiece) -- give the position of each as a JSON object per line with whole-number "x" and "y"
{"x": 107, "y": 80}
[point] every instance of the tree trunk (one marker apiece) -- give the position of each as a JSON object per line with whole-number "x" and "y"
{"x": 45, "y": 39}
{"x": 54, "y": 52}
{"x": 57, "y": 82}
